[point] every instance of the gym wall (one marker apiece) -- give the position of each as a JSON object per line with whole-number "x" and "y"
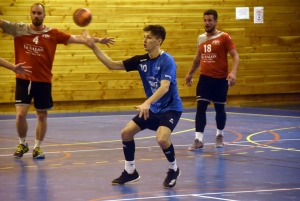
{"x": 268, "y": 74}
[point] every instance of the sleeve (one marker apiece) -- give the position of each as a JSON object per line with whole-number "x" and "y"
{"x": 12, "y": 28}
{"x": 168, "y": 69}
{"x": 62, "y": 38}
{"x": 132, "y": 64}
{"x": 229, "y": 43}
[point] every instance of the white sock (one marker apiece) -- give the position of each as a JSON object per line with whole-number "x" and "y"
{"x": 22, "y": 140}
{"x": 37, "y": 143}
{"x": 219, "y": 132}
{"x": 130, "y": 166}
{"x": 199, "y": 136}
{"x": 173, "y": 165}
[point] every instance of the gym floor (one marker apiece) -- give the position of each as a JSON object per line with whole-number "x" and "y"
{"x": 260, "y": 160}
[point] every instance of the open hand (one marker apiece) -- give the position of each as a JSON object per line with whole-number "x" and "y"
{"x": 91, "y": 40}
{"x": 107, "y": 41}
{"x": 144, "y": 110}
{"x": 22, "y": 70}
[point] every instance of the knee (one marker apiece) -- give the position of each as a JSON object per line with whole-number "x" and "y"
{"x": 125, "y": 135}
{"x": 20, "y": 117}
{"x": 202, "y": 106}
{"x": 220, "y": 108}
{"x": 42, "y": 116}
{"x": 163, "y": 143}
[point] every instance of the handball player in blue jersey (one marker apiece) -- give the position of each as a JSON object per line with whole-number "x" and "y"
{"x": 161, "y": 110}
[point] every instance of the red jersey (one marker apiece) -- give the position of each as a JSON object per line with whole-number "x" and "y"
{"x": 213, "y": 51}
{"x": 36, "y": 48}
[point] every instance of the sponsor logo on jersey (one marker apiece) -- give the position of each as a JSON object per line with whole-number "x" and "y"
{"x": 209, "y": 56}
{"x": 33, "y": 48}
{"x": 46, "y": 36}
{"x": 216, "y": 42}
{"x": 153, "y": 84}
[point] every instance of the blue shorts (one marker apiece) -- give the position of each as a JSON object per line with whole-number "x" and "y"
{"x": 212, "y": 89}
{"x": 168, "y": 119}
{"x": 39, "y": 91}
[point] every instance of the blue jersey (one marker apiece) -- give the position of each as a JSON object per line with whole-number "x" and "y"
{"x": 152, "y": 71}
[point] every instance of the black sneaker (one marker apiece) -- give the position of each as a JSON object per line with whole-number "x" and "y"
{"x": 38, "y": 154}
{"x": 171, "y": 178}
{"x": 126, "y": 178}
{"x": 21, "y": 149}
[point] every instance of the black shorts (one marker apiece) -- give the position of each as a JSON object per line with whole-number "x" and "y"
{"x": 168, "y": 119}
{"x": 39, "y": 91}
{"x": 212, "y": 89}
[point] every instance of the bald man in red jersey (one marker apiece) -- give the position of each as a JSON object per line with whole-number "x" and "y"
{"x": 35, "y": 44}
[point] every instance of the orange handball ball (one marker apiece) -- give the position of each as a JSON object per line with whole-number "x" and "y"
{"x": 82, "y": 17}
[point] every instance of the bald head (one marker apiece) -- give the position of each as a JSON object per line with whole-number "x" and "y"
{"x": 38, "y": 4}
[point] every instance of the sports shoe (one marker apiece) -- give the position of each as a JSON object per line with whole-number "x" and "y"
{"x": 21, "y": 149}
{"x": 38, "y": 154}
{"x": 171, "y": 178}
{"x": 219, "y": 143}
{"x": 126, "y": 178}
{"x": 196, "y": 145}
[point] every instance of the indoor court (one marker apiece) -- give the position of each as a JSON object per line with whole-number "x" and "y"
{"x": 84, "y": 154}
{"x": 83, "y": 148}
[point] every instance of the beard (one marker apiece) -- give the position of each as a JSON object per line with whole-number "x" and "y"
{"x": 210, "y": 30}
{"x": 37, "y": 22}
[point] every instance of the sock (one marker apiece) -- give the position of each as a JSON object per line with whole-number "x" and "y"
{"x": 37, "y": 143}
{"x": 170, "y": 153}
{"x": 129, "y": 150}
{"x": 219, "y": 132}
{"x": 199, "y": 136}
{"x": 130, "y": 166}
{"x": 173, "y": 165}
{"x": 23, "y": 141}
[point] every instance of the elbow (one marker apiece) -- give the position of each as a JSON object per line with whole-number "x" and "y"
{"x": 165, "y": 88}
{"x": 111, "y": 65}
{"x": 110, "y": 68}
{"x": 236, "y": 57}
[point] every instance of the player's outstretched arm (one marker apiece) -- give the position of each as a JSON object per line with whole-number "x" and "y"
{"x": 19, "y": 68}
{"x": 106, "y": 60}
{"x": 80, "y": 39}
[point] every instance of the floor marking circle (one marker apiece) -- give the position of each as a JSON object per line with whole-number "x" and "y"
{"x": 276, "y": 136}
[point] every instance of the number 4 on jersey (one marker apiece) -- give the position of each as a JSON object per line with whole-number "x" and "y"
{"x": 36, "y": 40}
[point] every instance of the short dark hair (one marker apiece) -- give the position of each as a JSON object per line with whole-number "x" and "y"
{"x": 39, "y": 4}
{"x": 157, "y": 30}
{"x": 212, "y": 12}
